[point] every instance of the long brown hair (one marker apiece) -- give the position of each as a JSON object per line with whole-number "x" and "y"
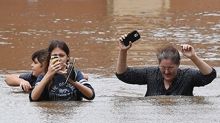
{"x": 56, "y": 44}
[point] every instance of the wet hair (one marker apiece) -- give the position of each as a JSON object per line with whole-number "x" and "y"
{"x": 56, "y": 44}
{"x": 169, "y": 52}
{"x": 40, "y": 55}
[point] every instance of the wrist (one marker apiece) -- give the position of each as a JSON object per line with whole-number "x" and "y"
{"x": 49, "y": 73}
{"x": 48, "y": 76}
{"x": 72, "y": 81}
{"x": 194, "y": 57}
{"x": 123, "y": 51}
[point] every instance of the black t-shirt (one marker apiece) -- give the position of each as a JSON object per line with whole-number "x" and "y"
{"x": 186, "y": 79}
{"x": 29, "y": 77}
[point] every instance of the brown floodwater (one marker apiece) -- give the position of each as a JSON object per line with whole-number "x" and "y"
{"x": 91, "y": 28}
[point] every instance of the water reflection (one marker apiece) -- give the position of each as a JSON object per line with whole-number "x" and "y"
{"x": 155, "y": 109}
{"x": 30, "y": 26}
{"x": 174, "y": 25}
{"x": 139, "y": 8}
{"x": 115, "y": 102}
{"x": 163, "y": 100}
{"x": 59, "y": 111}
{"x": 178, "y": 100}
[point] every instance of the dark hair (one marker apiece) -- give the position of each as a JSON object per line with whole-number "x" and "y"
{"x": 169, "y": 52}
{"x": 41, "y": 55}
{"x": 56, "y": 44}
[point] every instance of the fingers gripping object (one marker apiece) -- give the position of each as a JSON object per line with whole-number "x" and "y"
{"x": 132, "y": 36}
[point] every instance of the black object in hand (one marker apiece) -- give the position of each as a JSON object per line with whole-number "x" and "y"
{"x": 71, "y": 72}
{"x": 132, "y": 36}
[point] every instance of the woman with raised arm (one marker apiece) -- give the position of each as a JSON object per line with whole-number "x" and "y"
{"x": 166, "y": 78}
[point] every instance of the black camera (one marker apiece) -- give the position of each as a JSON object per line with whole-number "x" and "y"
{"x": 132, "y": 36}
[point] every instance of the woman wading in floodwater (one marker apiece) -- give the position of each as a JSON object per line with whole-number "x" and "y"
{"x": 166, "y": 78}
{"x": 56, "y": 84}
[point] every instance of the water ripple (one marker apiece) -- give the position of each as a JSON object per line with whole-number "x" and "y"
{"x": 184, "y": 34}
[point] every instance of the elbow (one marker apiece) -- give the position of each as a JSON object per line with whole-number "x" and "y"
{"x": 33, "y": 98}
{"x": 7, "y": 82}
{"x": 212, "y": 74}
{"x": 91, "y": 97}
{"x": 118, "y": 72}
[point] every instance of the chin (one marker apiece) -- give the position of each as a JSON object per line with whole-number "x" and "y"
{"x": 34, "y": 74}
{"x": 168, "y": 78}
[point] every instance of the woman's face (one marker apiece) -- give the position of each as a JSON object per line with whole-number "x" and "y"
{"x": 63, "y": 58}
{"x": 168, "y": 69}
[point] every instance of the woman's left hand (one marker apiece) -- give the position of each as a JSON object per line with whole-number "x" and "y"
{"x": 188, "y": 51}
{"x": 63, "y": 71}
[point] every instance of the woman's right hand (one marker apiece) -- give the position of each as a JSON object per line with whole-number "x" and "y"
{"x": 54, "y": 67}
{"x": 121, "y": 44}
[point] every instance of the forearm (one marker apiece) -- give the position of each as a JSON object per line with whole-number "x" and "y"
{"x": 39, "y": 88}
{"x": 204, "y": 68}
{"x": 86, "y": 91}
{"x": 13, "y": 80}
{"x": 122, "y": 62}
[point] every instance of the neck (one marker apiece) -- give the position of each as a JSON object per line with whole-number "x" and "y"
{"x": 167, "y": 84}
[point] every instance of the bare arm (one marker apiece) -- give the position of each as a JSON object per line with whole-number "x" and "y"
{"x": 122, "y": 57}
{"x": 122, "y": 62}
{"x": 14, "y": 80}
{"x": 39, "y": 88}
{"x": 189, "y": 52}
{"x": 82, "y": 88}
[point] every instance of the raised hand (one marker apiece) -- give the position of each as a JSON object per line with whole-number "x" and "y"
{"x": 121, "y": 44}
{"x": 188, "y": 51}
{"x": 54, "y": 66}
